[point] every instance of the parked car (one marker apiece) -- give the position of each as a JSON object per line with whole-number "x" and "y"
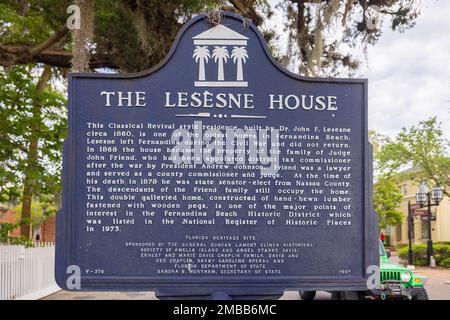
{"x": 396, "y": 282}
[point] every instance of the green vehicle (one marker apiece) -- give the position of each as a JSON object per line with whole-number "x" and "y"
{"x": 396, "y": 282}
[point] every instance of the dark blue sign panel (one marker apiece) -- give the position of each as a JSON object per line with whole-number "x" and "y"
{"x": 217, "y": 171}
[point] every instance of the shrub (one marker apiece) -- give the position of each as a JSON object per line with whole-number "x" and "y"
{"x": 401, "y": 246}
{"x": 445, "y": 263}
{"x": 5, "y": 229}
{"x": 441, "y": 253}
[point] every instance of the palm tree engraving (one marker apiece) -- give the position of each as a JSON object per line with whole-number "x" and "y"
{"x": 201, "y": 56}
{"x": 240, "y": 56}
{"x": 220, "y": 55}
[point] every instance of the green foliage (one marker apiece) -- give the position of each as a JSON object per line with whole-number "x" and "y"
{"x": 18, "y": 96}
{"x": 40, "y": 209}
{"x": 312, "y": 24}
{"x": 135, "y": 35}
{"x": 441, "y": 253}
{"x": 36, "y": 19}
{"x": 386, "y": 200}
{"x": 5, "y": 229}
{"x": 401, "y": 246}
{"x": 423, "y": 146}
{"x": 23, "y": 29}
{"x": 405, "y": 17}
{"x": 445, "y": 263}
{"x": 387, "y": 240}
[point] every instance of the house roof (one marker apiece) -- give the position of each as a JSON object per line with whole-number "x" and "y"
{"x": 220, "y": 32}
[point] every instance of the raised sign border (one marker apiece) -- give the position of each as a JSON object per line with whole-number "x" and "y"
{"x": 185, "y": 286}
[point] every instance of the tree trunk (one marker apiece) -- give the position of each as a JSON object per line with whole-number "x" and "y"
{"x": 32, "y": 157}
{"x": 302, "y": 36}
{"x": 82, "y": 37}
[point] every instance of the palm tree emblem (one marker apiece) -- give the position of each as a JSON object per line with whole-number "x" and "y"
{"x": 240, "y": 56}
{"x": 201, "y": 56}
{"x": 220, "y": 55}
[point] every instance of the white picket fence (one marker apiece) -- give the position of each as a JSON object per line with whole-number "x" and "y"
{"x": 27, "y": 273}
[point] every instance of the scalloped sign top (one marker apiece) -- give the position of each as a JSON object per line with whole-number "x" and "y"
{"x": 216, "y": 173}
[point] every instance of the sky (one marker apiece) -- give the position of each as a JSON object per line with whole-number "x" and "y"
{"x": 409, "y": 73}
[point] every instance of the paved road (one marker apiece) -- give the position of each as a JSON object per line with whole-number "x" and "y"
{"x": 438, "y": 280}
{"x": 438, "y": 288}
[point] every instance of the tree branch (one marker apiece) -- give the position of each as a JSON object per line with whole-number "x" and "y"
{"x": 247, "y": 9}
{"x": 14, "y": 55}
{"x": 348, "y": 7}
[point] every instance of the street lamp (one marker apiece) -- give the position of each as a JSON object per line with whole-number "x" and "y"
{"x": 437, "y": 195}
{"x": 425, "y": 198}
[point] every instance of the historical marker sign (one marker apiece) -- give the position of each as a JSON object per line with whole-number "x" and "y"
{"x": 216, "y": 171}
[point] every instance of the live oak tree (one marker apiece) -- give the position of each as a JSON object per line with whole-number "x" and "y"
{"x": 133, "y": 35}
{"x": 319, "y": 30}
{"x": 123, "y": 35}
{"x": 36, "y": 32}
{"x": 423, "y": 146}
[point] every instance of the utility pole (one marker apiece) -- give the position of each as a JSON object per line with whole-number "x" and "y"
{"x": 410, "y": 226}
